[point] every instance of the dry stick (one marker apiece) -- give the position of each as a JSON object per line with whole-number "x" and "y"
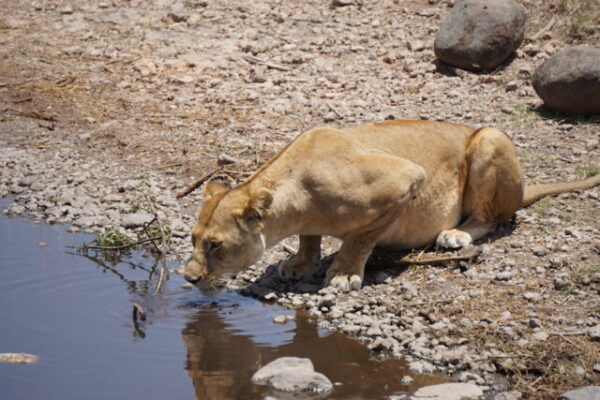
{"x": 161, "y": 279}
{"x": 121, "y": 247}
{"x": 259, "y": 61}
{"x": 546, "y": 28}
{"x": 197, "y": 184}
{"x": 335, "y": 111}
{"x": 441, "y": 260}
{"x": 145, "y": 226}
{"x": 31, "y": 114}
{"x": 290, "y": 249}
{"x": 161, "y": 229}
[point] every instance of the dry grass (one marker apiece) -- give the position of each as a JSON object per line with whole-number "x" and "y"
{"x": 580, "y": 19}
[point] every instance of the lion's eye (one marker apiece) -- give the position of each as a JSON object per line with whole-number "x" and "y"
{"x": 214, "y": 245}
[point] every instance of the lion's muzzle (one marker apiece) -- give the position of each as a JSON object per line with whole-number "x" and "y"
{"x": 194, "y": 272}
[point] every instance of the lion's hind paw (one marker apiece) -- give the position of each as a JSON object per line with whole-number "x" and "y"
{"x": 453, "y": 239}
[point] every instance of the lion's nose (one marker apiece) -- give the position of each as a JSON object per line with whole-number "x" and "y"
{"x": 192, "y": 273}
{"x": 191, "y": 278}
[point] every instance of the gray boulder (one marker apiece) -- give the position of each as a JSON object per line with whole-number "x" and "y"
{"x": 584, "y": 393}
{"x": 480, "y": 34}
{"x": 569, "y": 81}
{"x": 292, "y": 374}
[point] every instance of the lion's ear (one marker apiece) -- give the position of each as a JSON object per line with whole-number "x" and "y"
{"x": 260, "y": 201}
{"x": 213, "y": 187}
{"x": 256, "y": 210}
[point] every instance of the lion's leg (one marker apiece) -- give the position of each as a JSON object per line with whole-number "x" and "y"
{"x": 348, "y": 268}
{"x": 493, "y": 191}
{"x": 305, "y": 262}
{"x": 392, "y": 182}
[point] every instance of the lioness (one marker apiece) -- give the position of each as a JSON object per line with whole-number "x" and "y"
{"x": 395, "y": 184}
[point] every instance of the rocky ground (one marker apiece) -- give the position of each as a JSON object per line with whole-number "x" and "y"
{"x": 108, "y": 109}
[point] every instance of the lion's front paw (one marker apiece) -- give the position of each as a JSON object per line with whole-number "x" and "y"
{"x": 454, "y": 239}
{"x": 345, "y": 282}
{"x": 295, "y": 268}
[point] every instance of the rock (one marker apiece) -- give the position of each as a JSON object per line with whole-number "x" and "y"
{"x": 512, "y": 395}
{"x": 301, "y": 381}
{"x": 280, "y": 319}
{"x": 224, "y": 159}
{"x": 292, "y": 374}
{"x": 18, "y": 358}
{"x": 540, "y": 336}
{"x": 503, "y": 276}
{"x": 262, "y": 376}
{"x": 450, "y": 391}
{"x": 561, "y": 280}
{"x": 584, "y": 393}
{"x": 341, "y": 3}
{"x": 135, "y": 220}
{"x": 407, "y": 380}
{"x": 178, "y": 16}
{"x": 421, "y": 366}
{"x": 327, "y": 301}
{"x": 569, "y": 81}
{"x": 480, "y": 34}
{"x": 594, "y": 333}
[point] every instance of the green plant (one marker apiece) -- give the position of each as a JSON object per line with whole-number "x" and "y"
{"x": 542, "y": 207}
{"x": 569, "y": 290}
{"x": 112, "y": 239}
{"x": 591, "y": 269}
{"x": 587, "y": 171}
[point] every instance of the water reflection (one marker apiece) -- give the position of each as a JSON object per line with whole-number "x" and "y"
{"x": 221, "y": 360}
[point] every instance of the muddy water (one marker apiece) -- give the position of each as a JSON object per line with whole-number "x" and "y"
{"x": 75, "y": 313}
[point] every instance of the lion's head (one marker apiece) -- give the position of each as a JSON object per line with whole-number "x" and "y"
{"x": 228, "y": 234}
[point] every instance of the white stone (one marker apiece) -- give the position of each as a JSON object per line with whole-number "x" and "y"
{"x": 450, "y": 391}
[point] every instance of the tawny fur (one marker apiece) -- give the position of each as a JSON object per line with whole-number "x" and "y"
{"x": 397, "y": 184}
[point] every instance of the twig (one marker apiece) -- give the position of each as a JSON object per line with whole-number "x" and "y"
{"x": 430, "y": 303}
{"x": 161, "y": 229}
{"x": 102, "y": 265}
{"x": 121, "y": 247}
{"x": 290, "y": 249}
{"x": 546, "y": 28}
{"x": 121, "y": 61}
{"x": 440, "y": 260}
{"x": 259, "y": 61}
{"x": 145, "y": 226}
{"x": 197, "y": 184}
{"x": 335, "y": 111}
{"x": 161, "y": 279}
{"x": 31, "y": 114}
{"x": 23, "y": 100}
{"x": 562, "y": 336}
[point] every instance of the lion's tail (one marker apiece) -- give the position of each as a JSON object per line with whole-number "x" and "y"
{"x": 535, "y": 192}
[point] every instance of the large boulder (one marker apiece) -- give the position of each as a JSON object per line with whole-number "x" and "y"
{"x": 480, "y": 34}
{"x": 569, "y": 81}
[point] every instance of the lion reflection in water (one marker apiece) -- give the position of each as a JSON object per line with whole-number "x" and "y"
{"x": 221, "y": 360}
